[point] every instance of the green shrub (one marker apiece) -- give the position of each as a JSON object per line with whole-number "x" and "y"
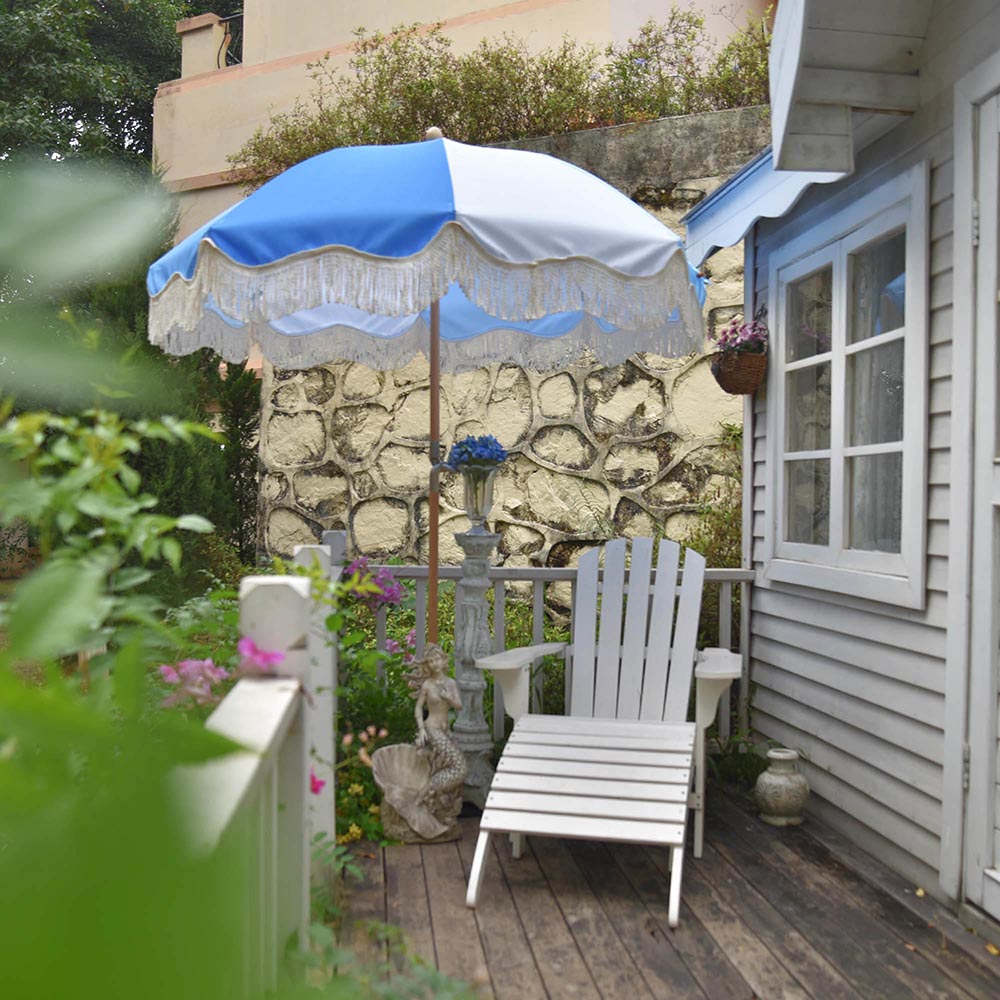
{"x": 400, "y": 83}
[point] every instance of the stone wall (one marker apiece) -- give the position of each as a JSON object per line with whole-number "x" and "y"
{"x": 596, "y": 451}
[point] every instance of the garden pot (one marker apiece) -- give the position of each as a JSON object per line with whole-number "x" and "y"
{"x": 781, "y": 792}
{"x": 478, "y": 482}
{"x": 739, "y": 373}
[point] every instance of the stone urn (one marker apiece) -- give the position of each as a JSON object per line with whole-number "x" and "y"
{"x": 781, "y": 792}
{"x": 477, "y": 480}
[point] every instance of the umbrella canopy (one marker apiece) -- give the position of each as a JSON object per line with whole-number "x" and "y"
{"x": 467, "y": 254}
{"x": 387, "y": 230}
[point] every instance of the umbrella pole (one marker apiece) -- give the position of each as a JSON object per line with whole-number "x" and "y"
{"x": 434, "y": 495}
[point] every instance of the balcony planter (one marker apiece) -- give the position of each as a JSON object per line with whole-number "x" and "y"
{"x": 740, "y": 364}
{"x": 739, "y": 374}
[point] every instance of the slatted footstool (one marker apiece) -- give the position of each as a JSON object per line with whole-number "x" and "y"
{"x": 592, "y": 779}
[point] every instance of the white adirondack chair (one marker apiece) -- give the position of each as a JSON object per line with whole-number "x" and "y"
{"x": 624, "y": 765}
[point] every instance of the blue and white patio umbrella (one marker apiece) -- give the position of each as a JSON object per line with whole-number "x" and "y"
{"x": 387, "y": 230}
{"x": 470, "y": 255}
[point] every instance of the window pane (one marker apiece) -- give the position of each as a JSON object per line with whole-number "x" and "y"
{"x": 878, "y": 289}
{"x": 807, "y": 501}
{"x": 875, "y": 394}
{"x": 810, "y": 315}
{"x": 876, "y": 484}
{"x": 807, "y": 408}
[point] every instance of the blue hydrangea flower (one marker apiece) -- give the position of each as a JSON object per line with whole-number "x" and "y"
{"x": 476, "y": 451}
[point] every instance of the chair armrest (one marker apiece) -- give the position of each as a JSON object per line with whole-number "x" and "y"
{"x": 512, "y": 659}
{"x": 716, "y": 663}
{"x": 512, "y": 670}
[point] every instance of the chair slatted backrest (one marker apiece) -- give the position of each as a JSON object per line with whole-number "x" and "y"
{"x": 630, "y": 659}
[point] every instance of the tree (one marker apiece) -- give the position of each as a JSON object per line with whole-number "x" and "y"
{"x": 77, "y": 77}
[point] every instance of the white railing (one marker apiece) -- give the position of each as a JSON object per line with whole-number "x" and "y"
{"x": 729, "y": 582}
{"x": 258, "y": 802}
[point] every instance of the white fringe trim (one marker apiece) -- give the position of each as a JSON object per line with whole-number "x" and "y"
{"x": 179, "y": 323}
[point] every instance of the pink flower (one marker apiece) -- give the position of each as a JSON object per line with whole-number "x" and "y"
{"x": 256, "y": 660}
{"x": 195, "y": 670}
{"x": 411, "y": 637}
{"x": 348, "y": 739}
{"x": 391, "y": 646}
{"x": 364, "y": 758}
{"x": 363, "y": 736}
{"x": 194, "y": 680}
{"x": 169, "y": 674}
{"x": 316, "y": 785}
{"x": 383, "y": 733}
{"x": 371, "y": 730}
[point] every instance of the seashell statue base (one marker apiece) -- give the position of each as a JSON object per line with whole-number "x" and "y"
{"x": 422, "y": 783}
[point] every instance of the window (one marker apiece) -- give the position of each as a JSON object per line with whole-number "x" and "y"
{"x": 847, "y": 400}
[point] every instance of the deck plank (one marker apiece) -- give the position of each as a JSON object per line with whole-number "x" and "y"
{"x": 972, "y": 976}
{"x": 707, "y": 962}
{"x": 796, "y": 951}
{"x": 367, "y": 906}
{"x": 967, "y": 957}
{"x": 610, "y": 964}
{"x": 504, "y": 941}
{"x": 457, "y": 943}
{"x": 651, "y": 948}
{"x": 866, "y": 951}
{"x": 407, "y": 906}
{"x": 766, "y": 913}
{"x": 761, "y": 969}
{"x": 562, "y": 967}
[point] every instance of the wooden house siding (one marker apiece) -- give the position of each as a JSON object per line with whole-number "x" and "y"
{"x": 859, "y": 686}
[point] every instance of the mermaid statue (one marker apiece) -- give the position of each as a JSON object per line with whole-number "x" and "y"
{"x": 421, "y": 783}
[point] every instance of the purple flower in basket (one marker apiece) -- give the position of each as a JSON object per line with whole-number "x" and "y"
{"x": 471, "y": 450}
{"x": 739, "y": 337}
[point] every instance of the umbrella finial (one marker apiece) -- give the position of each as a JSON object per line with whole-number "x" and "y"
{"x": 434, "y": 133}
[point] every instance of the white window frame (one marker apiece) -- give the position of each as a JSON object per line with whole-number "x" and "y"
{"x": 894, "y": 578}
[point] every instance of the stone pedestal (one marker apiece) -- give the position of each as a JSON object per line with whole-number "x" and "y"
{"x": 472, "y": 639}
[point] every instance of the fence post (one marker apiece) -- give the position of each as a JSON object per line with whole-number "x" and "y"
{"x": 275, "y": 614}
{"x": 321, "y": 707}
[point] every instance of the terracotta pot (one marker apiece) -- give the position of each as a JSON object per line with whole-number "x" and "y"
{"x": 739, "y": 373}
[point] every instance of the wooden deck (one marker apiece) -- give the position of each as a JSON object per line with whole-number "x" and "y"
{"x": 766, "y": 913}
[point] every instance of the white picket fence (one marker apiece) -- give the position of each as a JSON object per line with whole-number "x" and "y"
{"x": 259, "y": 801}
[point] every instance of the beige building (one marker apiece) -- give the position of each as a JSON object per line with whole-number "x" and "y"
{"x": 210, "y": 112}
{"x": 599, "y": 451}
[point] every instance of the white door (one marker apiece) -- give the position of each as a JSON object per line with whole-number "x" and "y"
{"x": 982, "y": 859}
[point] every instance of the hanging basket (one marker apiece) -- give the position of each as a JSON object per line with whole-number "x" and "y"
{"x": 739, "y": 373}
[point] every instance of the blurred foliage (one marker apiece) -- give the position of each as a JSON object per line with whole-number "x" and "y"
{"x": 74, "y": 250}
{"x": 106, "y": 892}
{"x": 96, "y": 531}
{"x": 399, "y": 84}
{"x": 718, "y": 536}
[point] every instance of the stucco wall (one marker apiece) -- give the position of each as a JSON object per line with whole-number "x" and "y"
{"x": 596, "y": 451}
{"x": 210, "y": 113}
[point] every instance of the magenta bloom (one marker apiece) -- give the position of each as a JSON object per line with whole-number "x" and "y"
{"x": 194, "y": 681}
{"x": 256, "y": 660}
{"x": 316, "y": 785}
{"x": 169, "y": 674}
{"x": 391, "y": 646}
{"x": 411, "y": 638}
